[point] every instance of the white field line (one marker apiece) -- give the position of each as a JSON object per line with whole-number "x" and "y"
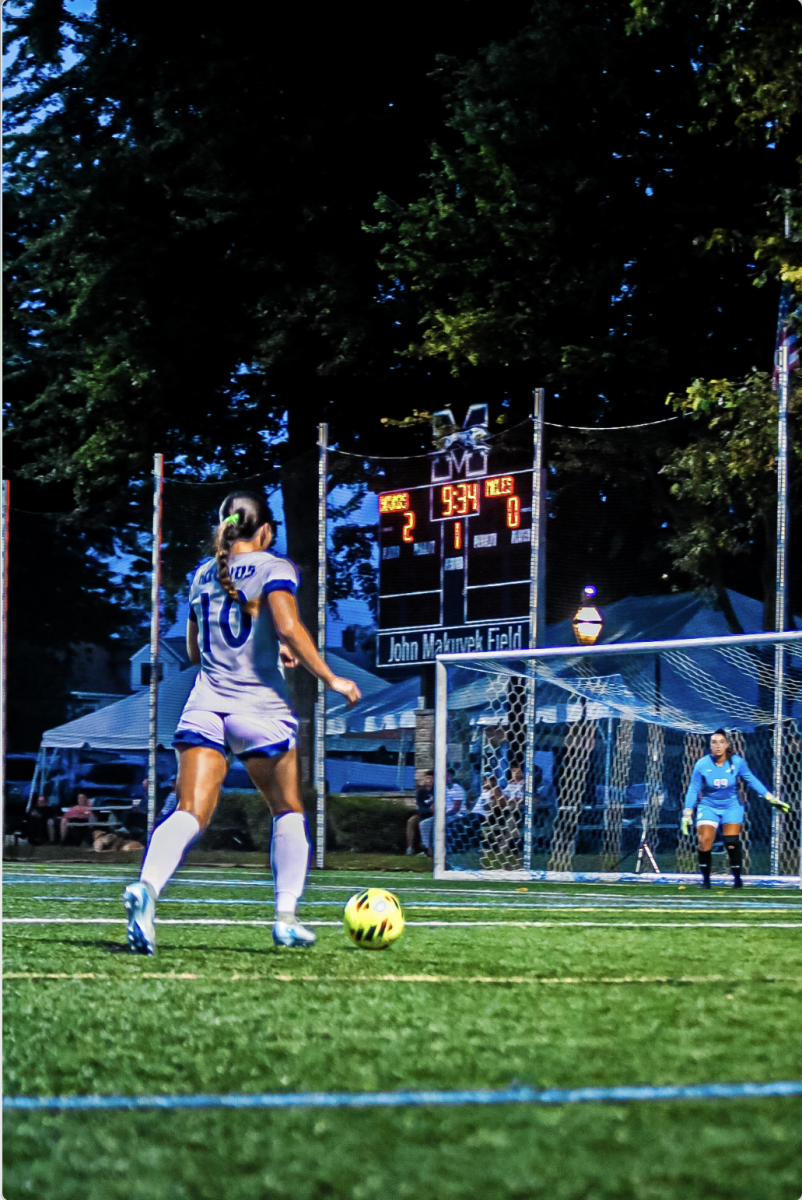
{"x": 283, "y": 977}
{"x": 435, "y": 906}
{"x": 427, "y": 924}
{"x": 536, "y": 899}
{"x": 447, "y": 888}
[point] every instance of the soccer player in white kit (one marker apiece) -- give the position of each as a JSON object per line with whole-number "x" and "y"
{"x": 243, "y": 616}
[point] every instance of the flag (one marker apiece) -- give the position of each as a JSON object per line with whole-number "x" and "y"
{"x": 788, "y": 327}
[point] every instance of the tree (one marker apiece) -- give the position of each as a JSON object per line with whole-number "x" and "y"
{"x": 569, "y": 233}
{"x": 185, "y": 252}
{"x": 186, "y": 269}
{"x": 724, "y": 487}
{"x": 62, "y": 594}
{"x": 748, "y": 63}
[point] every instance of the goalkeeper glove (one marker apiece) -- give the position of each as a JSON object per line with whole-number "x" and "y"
{"x": 776, "y": 802}
{"x": 685, "y": 823}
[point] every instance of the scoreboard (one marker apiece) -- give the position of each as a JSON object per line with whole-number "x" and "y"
{"x": 455, "y": 556}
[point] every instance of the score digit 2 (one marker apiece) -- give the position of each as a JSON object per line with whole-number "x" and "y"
{"x": 409, "y": 525}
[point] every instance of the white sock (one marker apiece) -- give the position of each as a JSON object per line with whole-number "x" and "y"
{"x": 167, "y": 848}
{"x": 289, "y": 858}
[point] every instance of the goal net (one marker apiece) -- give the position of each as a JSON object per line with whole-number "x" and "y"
{"x": 574, "y": 763}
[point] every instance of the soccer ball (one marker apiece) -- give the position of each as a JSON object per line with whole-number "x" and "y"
{"x": 373, "y": 919}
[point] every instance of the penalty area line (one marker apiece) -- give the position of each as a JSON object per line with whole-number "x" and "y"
{"x": 416, "y": 1099}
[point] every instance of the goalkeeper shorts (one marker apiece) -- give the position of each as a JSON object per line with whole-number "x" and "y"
{"x": 731, "y": 813}
{"x": 241, "y": 734}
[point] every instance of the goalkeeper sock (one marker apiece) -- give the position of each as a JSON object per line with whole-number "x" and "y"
{"x": 705, "y": 864}
{"x": 289, "y": 859}
{"x": 167, "y": 847}
{"x": 735, "y": 852}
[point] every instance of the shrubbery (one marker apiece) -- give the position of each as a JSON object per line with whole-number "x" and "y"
{"x": 366, "y": 824}
{"x": 363, "y": 824}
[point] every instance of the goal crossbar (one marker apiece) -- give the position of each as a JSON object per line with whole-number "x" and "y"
{"x": 545, "y": 652}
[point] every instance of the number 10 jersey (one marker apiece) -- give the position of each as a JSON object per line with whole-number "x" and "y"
{"x": 239, "y": 653}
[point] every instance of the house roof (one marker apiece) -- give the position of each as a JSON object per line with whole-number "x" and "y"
{"x": 124, "y": 725}
{"x": 171, "y": 647}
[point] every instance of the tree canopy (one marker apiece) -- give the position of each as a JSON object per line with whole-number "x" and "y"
{"x": 582, "y": 195}
{"x": 588, "y": 228}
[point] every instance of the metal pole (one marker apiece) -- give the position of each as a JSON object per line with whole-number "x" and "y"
{"x": 536, "y": 616}
{"x": 780, "y": 601}
{"x": 320, "y": 704}
{"x": 6, "y": 529}
{"x": 155, "y": 612}
{"x": 440, "y": 763}
{"x": 545, "y": 653}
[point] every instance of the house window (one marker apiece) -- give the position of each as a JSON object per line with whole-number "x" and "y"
{"x": 144, "y": 673}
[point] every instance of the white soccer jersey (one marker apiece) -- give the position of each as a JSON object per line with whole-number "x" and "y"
{"x": 239, "y": 653}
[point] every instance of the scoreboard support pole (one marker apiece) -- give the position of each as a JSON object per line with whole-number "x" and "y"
{"x": 320, "y": 703}
{"x": 537, "y": 616}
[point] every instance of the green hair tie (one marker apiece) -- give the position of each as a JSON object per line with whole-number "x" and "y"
{"x": 232, "y": 520}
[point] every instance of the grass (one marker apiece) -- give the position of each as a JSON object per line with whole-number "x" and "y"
{"x": 502, "y": 1003}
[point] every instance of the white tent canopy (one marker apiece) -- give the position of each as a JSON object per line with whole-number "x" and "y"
{"x": 124, "y": 725}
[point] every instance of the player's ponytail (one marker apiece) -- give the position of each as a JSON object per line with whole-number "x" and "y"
{"x": 242, "y": 514}
{"x": 723, "y": 733}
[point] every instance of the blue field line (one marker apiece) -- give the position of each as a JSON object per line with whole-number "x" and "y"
{"x": 516, "y": 1095}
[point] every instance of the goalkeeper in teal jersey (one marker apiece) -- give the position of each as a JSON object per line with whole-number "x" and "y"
{"x": 714, "y": 791}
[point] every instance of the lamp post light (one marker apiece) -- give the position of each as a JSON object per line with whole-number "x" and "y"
{"x": 588, "y": 620}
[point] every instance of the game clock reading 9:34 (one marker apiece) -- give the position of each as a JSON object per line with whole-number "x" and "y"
{"x": 459, "y": 499}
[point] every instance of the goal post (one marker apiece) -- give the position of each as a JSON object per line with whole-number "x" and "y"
{"x": 572, "y": 763}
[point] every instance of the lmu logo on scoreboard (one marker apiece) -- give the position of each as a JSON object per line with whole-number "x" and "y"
{"x": 416, "y": 646}
{"x": 455, "y": 538}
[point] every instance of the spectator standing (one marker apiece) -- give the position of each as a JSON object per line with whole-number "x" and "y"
{"x": 424, "y": 802}
{"x": 455, "y": 799}
{"x": 514, "y": 790}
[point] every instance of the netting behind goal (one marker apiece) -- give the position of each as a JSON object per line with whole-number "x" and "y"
{"x": 579, "y": 761}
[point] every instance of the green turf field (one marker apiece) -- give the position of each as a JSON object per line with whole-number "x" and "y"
{"x": 548, "y": 985}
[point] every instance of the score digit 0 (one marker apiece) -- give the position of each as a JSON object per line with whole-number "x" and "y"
{"x": 513, "y": 512}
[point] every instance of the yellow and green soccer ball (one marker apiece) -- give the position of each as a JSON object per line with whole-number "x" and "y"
{"x": 373, "y": 919}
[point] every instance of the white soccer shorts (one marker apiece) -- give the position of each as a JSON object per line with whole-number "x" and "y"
{"x": 241, "y": 734}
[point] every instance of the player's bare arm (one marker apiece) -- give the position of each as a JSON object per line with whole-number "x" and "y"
{"x": 295, "y": 636}
{"x": 193, "y": 648}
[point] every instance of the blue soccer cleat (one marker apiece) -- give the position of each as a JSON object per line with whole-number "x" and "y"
{"x": 141, "y": 909}
{"x": 288, "y": 931}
